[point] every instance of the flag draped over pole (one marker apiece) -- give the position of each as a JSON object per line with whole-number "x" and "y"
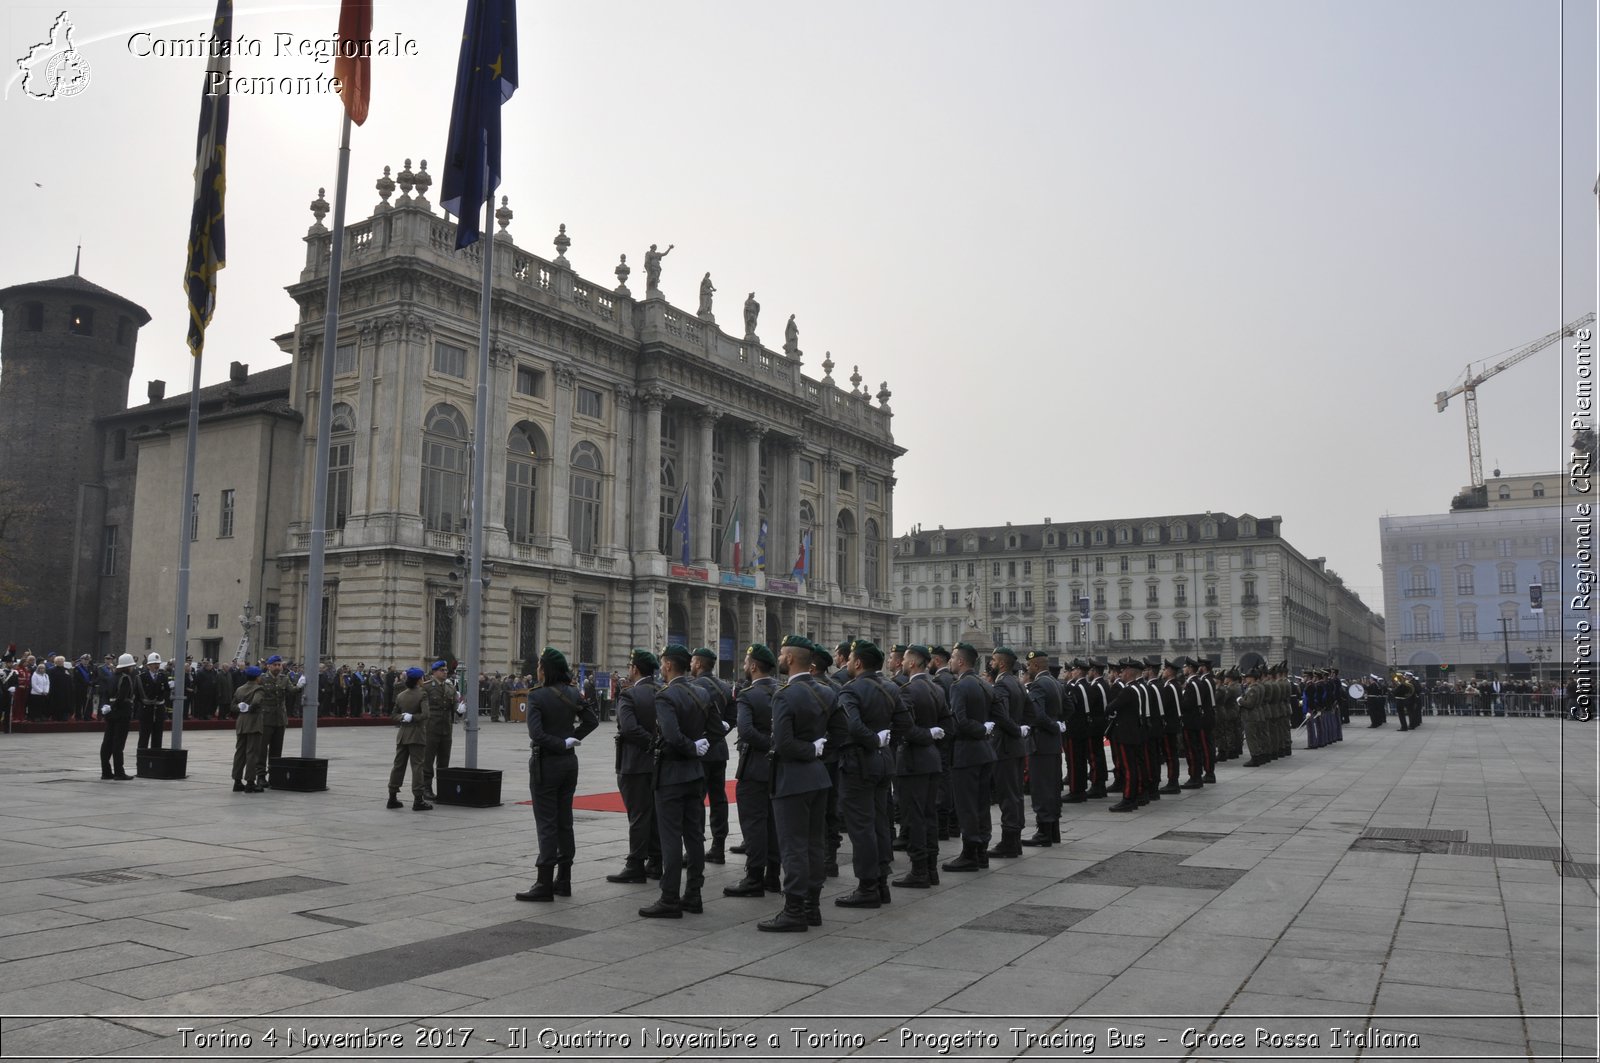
{"x": 353, "y": 67}
{"x": 802, "y": 563}
{"x": 206, "y": 255}
{"x": 761, "y": 546}
{"x": 486, "y": 76}
{"x": 735, "y": 535}
{"x": 680, "y": 526}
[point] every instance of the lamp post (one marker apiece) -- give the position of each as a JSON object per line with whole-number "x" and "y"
{"x": 1539, "y": 654}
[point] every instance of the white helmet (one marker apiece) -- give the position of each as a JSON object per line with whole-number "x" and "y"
{"x": 154, "y": 658}
{"x": 127, "y": 660}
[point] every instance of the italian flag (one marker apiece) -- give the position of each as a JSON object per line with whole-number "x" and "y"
{"x": 735, "y": 535}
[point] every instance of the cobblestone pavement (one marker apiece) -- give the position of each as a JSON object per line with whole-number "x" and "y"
{"x": 1287, "y": 900}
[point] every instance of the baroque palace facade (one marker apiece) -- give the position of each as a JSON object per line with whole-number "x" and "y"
{"x": 612, "y": 414}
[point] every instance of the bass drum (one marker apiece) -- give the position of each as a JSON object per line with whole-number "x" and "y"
{"x": 1355, "y": 692}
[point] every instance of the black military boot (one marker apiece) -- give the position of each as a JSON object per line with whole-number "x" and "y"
{"x": 394, "y": 797}
{"x": 931, "y": 866}
{"x": 967, "y": 861}
{"x": 884, "y": 896}
{"x": 1194, "y": 782}
{"x": 1171, "y": 787}
{"x": 1125, "y": 805}
{"x": 737, "y": 850}
{"x": 238, "y": 787}
{"x": 421, "y": 805}
{"x": 714, "y": 855}
{"x": 563, "y": 884}
{"x": 791, "y": 920}
{"x": 542, "y": 890}
{"x": 865, "y": 895}
{"x": 917, "y": 877}
{"x": 631, "y": 873}
{"x": 751, "y": 885}
{"x": 1010, "y": 845}
{"x": 772, "y": 882}
{"x": 665, "y": 908}
{"x": 691, "y": 901}
{"x": 1041, "y": 836}
{"x": 1096, "y": 791}
{"x": 813, "y": 907}
{"x": 1055, "y": 832}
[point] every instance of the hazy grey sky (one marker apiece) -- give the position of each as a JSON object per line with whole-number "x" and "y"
{"x": 1113, "y": 259}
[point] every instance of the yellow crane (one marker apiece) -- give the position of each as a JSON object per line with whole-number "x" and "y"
{"x": 1469, "y": 387}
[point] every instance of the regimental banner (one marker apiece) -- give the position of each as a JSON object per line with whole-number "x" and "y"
{"x": 783, "y": 586}
{"x": 688, "y": 572}
{"x": 734, "y": 579}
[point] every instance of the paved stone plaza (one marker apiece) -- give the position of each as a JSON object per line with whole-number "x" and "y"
{"x": 132, "y": 909}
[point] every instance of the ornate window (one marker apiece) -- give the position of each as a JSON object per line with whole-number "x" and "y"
{"x": 870, "y": 547}
{"x": 524, "y": 453}
{"x": 844, "y": 543}
{"x": 444, "y": 469}
{"x": 583, "y": 514}
{"x": 341, "y": 461}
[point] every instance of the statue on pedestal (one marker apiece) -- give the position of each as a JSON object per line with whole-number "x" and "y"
{"x": 652, "y": 269}
{"x": 706, "y": 290}
{"x": 791, "y": 338}
{"x": 752, "y": 310}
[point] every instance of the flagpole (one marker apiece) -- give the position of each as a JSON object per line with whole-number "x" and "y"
{"x": 311, "y": 628}
{"x": 480, "y": 493}
{"x": 180, "y": 622}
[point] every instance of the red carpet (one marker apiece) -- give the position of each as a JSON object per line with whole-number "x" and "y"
{"x": 611, "y": 802}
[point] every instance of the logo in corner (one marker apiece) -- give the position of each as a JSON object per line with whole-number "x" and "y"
{"x": 53, "y": 68}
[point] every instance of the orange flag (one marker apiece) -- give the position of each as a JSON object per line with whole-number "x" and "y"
{"x": 353, "y": 66}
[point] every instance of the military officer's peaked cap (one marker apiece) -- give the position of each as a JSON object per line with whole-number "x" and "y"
{"x": 759, "y": 652}
{"x": 677, "y": 652}
{"x": 1098, "y": 662}
{"x": 796, "y": 640}
{"x": 868, "y": 652}
{"x": 1007, "y": 651}
{"x": 1153, "y": 661}
{"x": 1034, "y": 655}
{"x": 1202, "y": 662}
{"x": 707, "y": 652}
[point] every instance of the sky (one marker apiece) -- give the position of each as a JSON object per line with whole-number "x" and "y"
{"x": 1113, "y": 259}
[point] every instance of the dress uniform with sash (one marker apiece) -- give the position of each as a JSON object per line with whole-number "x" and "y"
{"x": 918, "y": 767}
{"x": 681, "y": 711}
{"x": 800, "y": 785}
{"x": 719, "y": 722}
{"x": 248, "y": 730}
{"x": 558, "y": 722}
{"x": 408, "y": 742}
{"x": 870, "y": 705}
{"x": 1043, "y": 714}
{"x": 972, "y": 762}
{"x": 1126, "y": 731}
{"x": 753, "y": 785}
{"x": 1011, "y": 750}
{"x": 1076, "y": 738}
{"x": 636, "y": 766}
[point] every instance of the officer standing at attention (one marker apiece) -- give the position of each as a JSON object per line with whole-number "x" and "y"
{"x": 918, "y": 767}
{"x": 1075, "y": 739}
{"x": 558, "y": 722}
{"x": 1042, "y": 715}
{"x": 972, "y": 760}
{"x": 1208, "y": 716}
{"x": 440, "y": 717}
{"x": 1154, "y": 725}
{"x": 1194, "y": 737}
{"x": 719, "y": 721}
{"x": 753, "y": 786}
{"x": 275, "y": 688}
{"x": 800, "y": 785}
{"x": 408, "y": 742}
{"x": 247, "y": 703}
{"x": 944, "y": 679}
{"x": 1171, "y": 698}
{"x": 1099, "y": 691}
{"x": 1127, "y": 736}
{"x": 681, "y": 712}
{"x": 1251, "y": 701}
{"x": 118, "y": 712}
{"x": 636, "y": 765}
{"x": 155, "y": 694}
{"x": 870, "y": 705}
{"x": 1011, "y": 749}
{"x": 838, "y": 734}
{"x": 841, "y": 661}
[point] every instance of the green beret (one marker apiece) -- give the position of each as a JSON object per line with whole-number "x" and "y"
{"x": 868, "y": 651}
{"x": 898, "y": 647}
{"x": 820, "y": 655}
{"x": 938, "y": 651}
{"x": 647, "y": 661}
{"x": 1007, "y": 651}
{"x": 844, "y": 647}
{"x": 969, "y": 647}
{"x": 676, "y": 652}
{"x": 707, "y": 652}
{"x": 1034, "y": 655}
{"x": 796, "y": 640}
{"x": 760, "y": 653}
{"x": 919, "y": 650}
{"x": 553, "y": 656}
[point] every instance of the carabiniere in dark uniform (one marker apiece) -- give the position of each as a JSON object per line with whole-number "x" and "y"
{"x": 636, "y": 768}
{"x": 753, "y": 788}
{"x": 870, "y": 704}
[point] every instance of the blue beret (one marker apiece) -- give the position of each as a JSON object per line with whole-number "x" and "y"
{"x": 253, "y": 672}
{"x": 415, "y": 673}
{"x": 275, "y": 659}
{"x": 438, "y": 665}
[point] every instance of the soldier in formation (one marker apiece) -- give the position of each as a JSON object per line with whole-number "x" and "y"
{"x": 410, "y": 708}
{"x": 558, "y": 722}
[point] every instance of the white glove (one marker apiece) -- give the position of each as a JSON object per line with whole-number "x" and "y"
{"x": 406, "y": 717}
{"x": 701, "y": 746}
{"x": 883, "y": 738}
{"x": 244, "y": 706}
{"x": 988, "y": 727}
{"x": 1026, "y": 730}
{"x": 104, "y": 709}
{"x": 301, "y": 685}
{"x": 573, "y": 743}
{"x": 937, "y": 733}
{"x": 461, "y": 708}
{"x": 818, "y": 744}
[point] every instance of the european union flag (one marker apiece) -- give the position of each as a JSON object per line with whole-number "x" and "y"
{"x": 207, "y": 250}
{"x": 486, "y": 76}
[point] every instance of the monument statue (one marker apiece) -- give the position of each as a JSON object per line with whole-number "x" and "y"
{"x": 752, "y": 310}
{"x": 652, "y": 268}
{"x": 791, "y": 338}
{"x": 706, "y": 289}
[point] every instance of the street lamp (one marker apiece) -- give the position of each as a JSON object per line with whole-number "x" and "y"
{"x": 247, "y": 620}
{"x": 1540, "y": 654}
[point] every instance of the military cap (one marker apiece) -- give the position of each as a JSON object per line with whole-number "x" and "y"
{"x": 1007, "y": 651}
{"x": 1079, "y": 663}
{"x": 1174, "y": 665}
{"x": 969, "y": 647}
{"x": 553, "y": 656}
{"x": 1202, "y": 662}
{"x": 414, "y": 672}
{"x": 437, "y": 665}
{"x": 938, "y": 651}
{"x": 898, "y": 647}
{"x": 644, "y": 659}
{"x": 1253, "y": 673}
{"x": 253, "y": 672}
{"x": 1034, "y": 655}
{"x": 676, "y": 652}
{"x": 1153, "y": 661}
{"x": 868, "y": 651}
{"x": 759, "y": 652}
{"x": 820, "y": 655}
{"x": 707, "y": 652}
{"x": 843, "y": 647}
{"x": 920, "y": 651}
{"x": 275, "y": 659}
{"x": 1098, "y": 662}
{"x": 795, "y": 640}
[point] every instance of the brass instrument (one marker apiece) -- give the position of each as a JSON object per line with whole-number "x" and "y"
{"x": 1402, "y": 689}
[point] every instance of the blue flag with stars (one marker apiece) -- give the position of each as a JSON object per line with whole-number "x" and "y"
{"x": 486, "y": 76}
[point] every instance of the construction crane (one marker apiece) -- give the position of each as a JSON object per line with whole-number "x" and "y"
{"x": 1469, "y": 387}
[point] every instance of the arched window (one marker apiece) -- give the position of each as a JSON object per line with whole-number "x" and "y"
{"x": 444, "y": 469}
{"x": 1099, "y": 536}
{"x": 341, "y": 459}
{"x": 667, "y": 510}
{"x": 524, "y": 453}
{"x": 1504, "y": 493}
{"x": 843, "y": 548}
{"x": 1152, "y": 533}
{"x": 583, "y": 513}
{"x": 1538, "y": 490}
{"x": 870, "y": 548}
{"x": 719, "y": 519}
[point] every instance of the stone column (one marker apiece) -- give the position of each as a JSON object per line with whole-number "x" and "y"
{"x": 700, "y": 519}
{"x": 362, "y": 471}
{"x": 751, "y": 506}
{"x": 561, "y": 454}
{"x": 648, "y": 473}
{"x": 397, "y": 473}
{"x": 501, "y": 363}
{"x": 859, "y": 545}
{"x": 621, "y": 466}
{"x": 786, "y": 506}
{"x": 826, "y": 536}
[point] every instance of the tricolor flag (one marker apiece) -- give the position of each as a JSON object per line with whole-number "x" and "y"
{"x": 802, "y": 564}
{"x": 681, "y": 524}
{"x": 486, "y": 76}
{"x": 735, "y": 535}
{"x": 207, "y": 246}
{"x": 761, "y": 546}
{"x": 353, "y": 67}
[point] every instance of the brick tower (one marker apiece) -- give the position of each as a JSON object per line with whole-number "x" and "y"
{"x": 66, "y": 357}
